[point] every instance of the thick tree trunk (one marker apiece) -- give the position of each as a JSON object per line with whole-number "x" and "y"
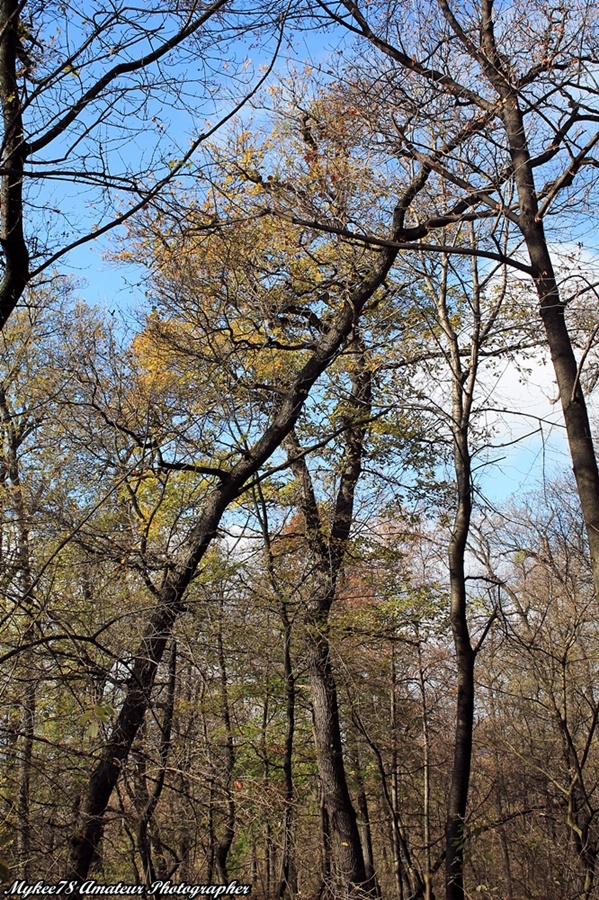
{"x": 551, "y": 306}
{"x": 346, "y": 848}
{"x": 12, "y": 162}
{"x": 578, "y": 429}
{"x": 86, "y": 839}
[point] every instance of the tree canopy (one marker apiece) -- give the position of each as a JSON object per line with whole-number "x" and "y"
{"x": 264, "y": 617}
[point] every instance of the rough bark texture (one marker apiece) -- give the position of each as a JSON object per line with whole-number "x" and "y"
{"x": 346, "y": 849}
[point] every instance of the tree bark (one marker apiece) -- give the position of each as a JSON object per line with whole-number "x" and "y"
{"x": 364, "y": 825}
{"x": 12, "y": 162}
{"x": 346, "y": 848}
{"x": 460, "y": 776}
{"x": 349, "y": 871}
{"x": 143, "y": 839}
{"x": 552, "y": 311}
{"x": 551, "y": 306}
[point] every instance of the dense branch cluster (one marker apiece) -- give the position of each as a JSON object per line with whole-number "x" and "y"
{"x": 265, "y": 614}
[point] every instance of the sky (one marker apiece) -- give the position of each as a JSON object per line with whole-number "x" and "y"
{"x": 529, "y": 445}
{"x": 172, "y": 123}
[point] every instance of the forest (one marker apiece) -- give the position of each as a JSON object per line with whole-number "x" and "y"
{"x": 273, "y": 614}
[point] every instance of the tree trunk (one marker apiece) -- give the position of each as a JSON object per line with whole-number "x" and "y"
{"x": 349, "y": 872}
{"x": 426, "y": 773}
{"x": 12, "y": 161}
{"x": 552, "y": 308}
{"x": 460, "y": 776}
{"x": 346, "y": 848}
{"x": 463, "y": 381}
{"x": 221, "y": 851}
{"x": 364, "y": 825}
{"x": 325, "y": 848}
{"x": 143, "y": 839}
{"x": 268, "y": 842}
{"x": 287, "y": 885}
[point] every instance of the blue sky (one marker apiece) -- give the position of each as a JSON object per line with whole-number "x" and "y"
{"x": 102, "y": 281}
{"x": 122, "y": 288}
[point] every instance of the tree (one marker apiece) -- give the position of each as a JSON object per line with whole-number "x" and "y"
{"x": 77, "y": 86}
{"x": 540, "y": 689}
{"x": 496, "y": 108}
{"x": 328, "y": 548}
{"x": 515, "y": 90}
{"x": 308, "y": 346}
{"x": 470, "y": 324}
{"x": 273, "y": 551}
{"x": 32, "y": 484}
{"x": 224, "y": 335}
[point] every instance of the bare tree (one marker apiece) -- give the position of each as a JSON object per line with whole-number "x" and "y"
{"x": 92, "y": 101}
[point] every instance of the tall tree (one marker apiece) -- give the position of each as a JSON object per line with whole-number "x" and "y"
{"x": 515, "y": 88}
{"x": 328, "y": 548}
{"x": 470, "y": 326}
{"x": 237, "y": 346}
